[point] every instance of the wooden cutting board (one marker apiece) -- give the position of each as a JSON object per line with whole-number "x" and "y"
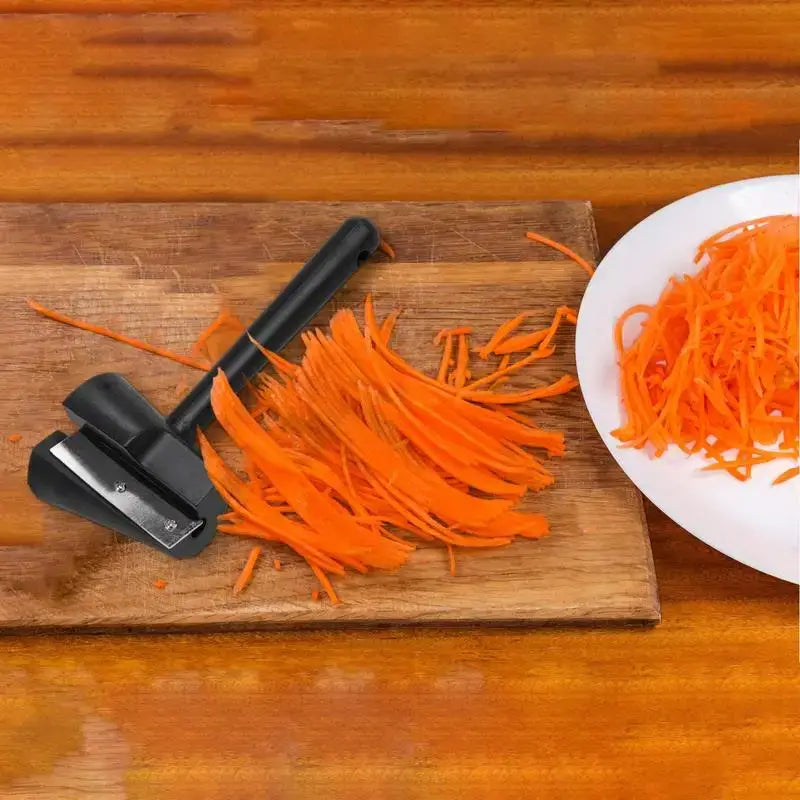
{"x": 162, "y": 272}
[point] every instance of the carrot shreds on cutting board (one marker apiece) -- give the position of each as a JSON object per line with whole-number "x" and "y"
{"x": 353, "y": 453}
{"x": 15, "y": 437}
{"x": 247, "y": 573}
{"x": 119, "y": 337}
{"x": 714, "y": 367}
{"x": 160, "y": 583}
{"x": 562, "y": 248}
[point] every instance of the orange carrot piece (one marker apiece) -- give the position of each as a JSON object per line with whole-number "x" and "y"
{"x": 462, "y": 361}
{"x": 119, "y": 337}
{"x": 326, "y": 585}
{"x": 793, "y": 472}
{"x": 503, "y": 331}
{"x": 451, "y": 558}
{"x": 447, "y": 356}
{"x": 159, "y": 583}
{"x": 247, "y": 573}
{"x": 464, "y": 329}
{"x": 510, "y": 369}
{"x": 386, "y": 248}
{"x": 562, "y": 248}
{"x": 315, "y": 595}
{"x": 14, "y": 438}
{"x": 276, "y": 564}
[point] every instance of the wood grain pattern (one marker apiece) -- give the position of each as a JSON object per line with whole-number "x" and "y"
{"x": 162, "y": 271}
{"x": 631, "y": 104}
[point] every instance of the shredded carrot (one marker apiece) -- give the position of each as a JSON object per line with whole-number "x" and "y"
{"x": 462, "y": 361}
{"x": 386, "y": 248}
{"x": 326, "y": 585}
{"x": 14, "y": 438}
{"x": 276, "y": 563}
{"x": 247, "y": 573}
{"x": 447, "y": 357}
{"x": 503, "y": 331}
{"x": 102, "y": 331}
{"x": 160, "y": 583}
{"x": 315, "y": 595}
{"x": 464, "y": 329}
{"x": 353, "y": 450}
{"x": 562, "y": 248}
{"x": 714, "y": 367}
{"x": 786, "y": 476}
{"x": 451, "y": 558}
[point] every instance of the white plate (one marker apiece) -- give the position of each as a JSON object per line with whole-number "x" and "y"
{"x": 754, "y": 522}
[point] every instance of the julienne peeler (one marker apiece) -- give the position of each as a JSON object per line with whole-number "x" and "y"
{"x": 137, "y": 472}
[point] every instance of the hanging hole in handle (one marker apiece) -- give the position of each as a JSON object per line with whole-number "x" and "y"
{"x": 363, "y": 256}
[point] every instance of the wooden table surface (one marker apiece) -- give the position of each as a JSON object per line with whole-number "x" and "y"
{"x": 629, "y": 104}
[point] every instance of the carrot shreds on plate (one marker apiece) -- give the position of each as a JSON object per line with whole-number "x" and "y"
{"x": 247, "y": 573}
{"x": 353, "y": 453}
{"x": 714, "y": 367}
{"x": 562, "y": 248}
{"x": 119, "y": 337}
{"x": 786, "y": 476}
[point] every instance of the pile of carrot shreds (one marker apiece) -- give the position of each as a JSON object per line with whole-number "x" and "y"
{"x": 353, "y": 455}
{"x": 715, "y": 367}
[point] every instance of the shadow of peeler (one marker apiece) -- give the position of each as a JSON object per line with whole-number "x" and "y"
{"x": 137, "y": 472}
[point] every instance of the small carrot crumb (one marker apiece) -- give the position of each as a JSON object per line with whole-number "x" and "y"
{"x": 247, "y": 573}
{"x": 385, "y": 247}
{"x": 277, "y": 564}
{"x": 160, "y": 584}
{"x": 315, "y": 595}
{"x": 15, "y": 437}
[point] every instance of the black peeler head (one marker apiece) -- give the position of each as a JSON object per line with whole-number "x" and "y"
{"x": 125, "y": 469}
{"x": 133, "y": 470}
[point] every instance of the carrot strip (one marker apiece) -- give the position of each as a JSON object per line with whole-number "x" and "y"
{"x": 786, "y": 476}
{"x": 386, "y": 248}
{"x": 512, "y": 368}
{"x": 14, "y": 438}
{"x": 562, "y": 248}
{"x": 451, "y": 559}
{"x": 247, "y": 573}
{"x": 504, "y": 330}
{"x": 462, "y": 361}
{"x": 326, "y": 585}
{"x": 276, "y": 564}
{"x": 447, "y": 356}
{"x": 464, "y": 329}
{"x": 119, "y": 337}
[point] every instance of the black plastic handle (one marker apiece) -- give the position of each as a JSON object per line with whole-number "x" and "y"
{"x": 313, "y": 286}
